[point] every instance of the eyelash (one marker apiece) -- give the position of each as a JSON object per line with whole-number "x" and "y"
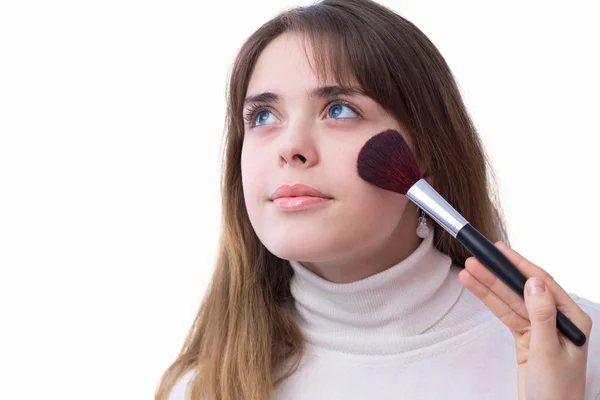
{"x": 257, "y": 108}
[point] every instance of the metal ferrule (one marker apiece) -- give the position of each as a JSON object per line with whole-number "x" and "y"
{"x": 430, "y": 201}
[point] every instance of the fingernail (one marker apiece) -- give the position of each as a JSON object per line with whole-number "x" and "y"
{"x": 536, "y": 286}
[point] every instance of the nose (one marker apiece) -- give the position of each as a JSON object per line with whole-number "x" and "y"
{"x": 297, "y": 147}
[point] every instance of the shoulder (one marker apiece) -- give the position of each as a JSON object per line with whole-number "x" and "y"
{"x": 180, "y": 389}
{"x": 593, "y": 366}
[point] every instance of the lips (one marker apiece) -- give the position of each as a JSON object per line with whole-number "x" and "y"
{"x": 297, "y": 190}
{"x": 298, "y": 198}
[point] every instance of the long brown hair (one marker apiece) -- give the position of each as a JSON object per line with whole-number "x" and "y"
{"x": 245, "y": 327}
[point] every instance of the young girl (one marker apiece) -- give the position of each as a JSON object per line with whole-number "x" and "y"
{"x": 328, "y": 287}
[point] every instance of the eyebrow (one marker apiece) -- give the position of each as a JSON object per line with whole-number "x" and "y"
{"x": 322, "y": 92}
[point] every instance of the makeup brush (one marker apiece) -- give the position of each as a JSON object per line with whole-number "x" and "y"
{"x": 387, "y": 162}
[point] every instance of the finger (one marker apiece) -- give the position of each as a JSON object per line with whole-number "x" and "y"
{"x": 562, "y": 299}
{"x": 503, "y": 311}
{"x": 495, "y": 284}
{"x": 542, "y": 315}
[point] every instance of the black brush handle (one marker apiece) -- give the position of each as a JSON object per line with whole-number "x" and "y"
{"x": 495, "y": 261}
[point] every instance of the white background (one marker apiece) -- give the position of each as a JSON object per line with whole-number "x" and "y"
{"x": 111, "y": 116}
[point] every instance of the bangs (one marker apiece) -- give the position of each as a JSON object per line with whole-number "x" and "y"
{"x": 339, "y": 51}
{"x": 328, "y": 57}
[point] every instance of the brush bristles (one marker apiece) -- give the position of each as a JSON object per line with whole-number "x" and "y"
{"x": 387, "y": 161}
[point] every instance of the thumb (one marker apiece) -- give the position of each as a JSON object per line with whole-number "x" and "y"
{"x": 542, "y": 315}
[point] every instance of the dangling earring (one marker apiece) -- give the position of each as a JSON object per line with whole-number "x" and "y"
{"x": 423, "y": 229}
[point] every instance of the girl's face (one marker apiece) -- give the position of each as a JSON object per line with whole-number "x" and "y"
{"x": 307, "y": 134}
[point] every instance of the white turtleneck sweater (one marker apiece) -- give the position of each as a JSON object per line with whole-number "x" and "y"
{"x": 410, "y": 332}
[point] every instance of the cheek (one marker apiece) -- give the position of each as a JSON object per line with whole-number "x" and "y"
{"x": 366, "y": 208}
{"x": 249, "y": 169}
{"x": 388, "y": 210}
{"x": 250, "y": 162}
{"x": 343, "y": 173}
{"x": 376, "y": 208}
{"x": 253, "y": 181}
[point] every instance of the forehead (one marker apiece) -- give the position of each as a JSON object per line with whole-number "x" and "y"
{"x": 285, "y": 66}
{"x": 282, "y": 62}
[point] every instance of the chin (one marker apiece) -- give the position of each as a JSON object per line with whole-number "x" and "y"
{"x": 307, "y": 248}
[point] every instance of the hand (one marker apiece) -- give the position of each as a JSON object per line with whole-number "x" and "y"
{"x": 550, "y": 366}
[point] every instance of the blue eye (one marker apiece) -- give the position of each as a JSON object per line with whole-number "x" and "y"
{"x": 260, "y": 118}
{"x": 258, "y": 115}
{"x": 337, "y": 112}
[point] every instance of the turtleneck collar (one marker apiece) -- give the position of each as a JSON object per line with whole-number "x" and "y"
{"x": 390, "y": 312}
